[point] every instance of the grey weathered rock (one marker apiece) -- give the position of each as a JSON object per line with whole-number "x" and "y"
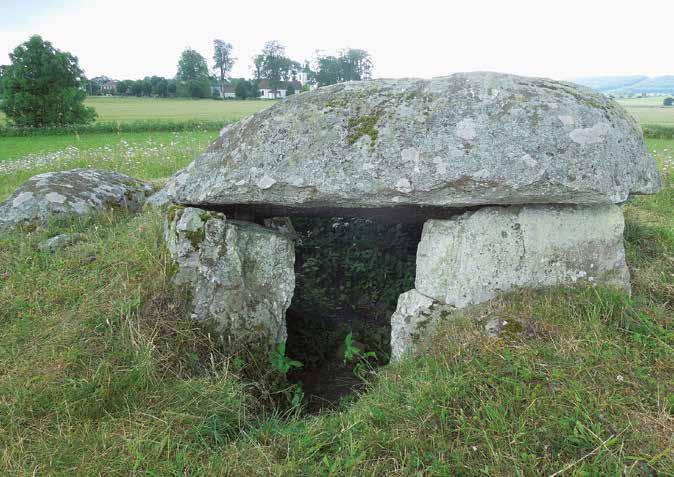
{"x": 415, "y": 318}
{"x": 159, "y": 199}
{"x": 162, "y": 198}
{"x": 71, "y": 193}
{"x": 240, "y": 275}
{"x": 478, "y": 255}
{"x": 495, "y": 326}
{"x": 59, "y": 241}
{"x": 462, "y": 140}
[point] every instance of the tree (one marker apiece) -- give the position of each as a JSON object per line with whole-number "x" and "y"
{"x": 194, "y": 89}
{"x": 356, "y": 64}
{"x": 172, "y": 87}
{"x": 93, "y": 88}
{"x": 137, "y": 88}
{"x": 223, "y": 61}
{"x": 244, "y": 89}
{"x": 193, "y": 80}
{"x": 668, "y": 102}
{"x": 146, "y": 85}
{"x": 192, "y": 66}
{"x": 160, "y": 88}
{"x": 44, "y": 86}
{"x": 125, "y": 87}
{"x": 272, "y": 65}
{"x": 328, "y": 71}
{"x": 3, "y": 68}
{"x": 241, "y": 89}
{"x": 348, "y": 65}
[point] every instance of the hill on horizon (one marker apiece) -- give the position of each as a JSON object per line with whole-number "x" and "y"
{"x": 629, "y": 85}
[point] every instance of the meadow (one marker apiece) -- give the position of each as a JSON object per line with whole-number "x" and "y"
{"x": 99, "y": 376}
{"x": 649, "y": 110}
{"x": 128, "y": 109}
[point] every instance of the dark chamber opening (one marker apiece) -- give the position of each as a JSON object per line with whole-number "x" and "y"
{"x": 349, "y": 274}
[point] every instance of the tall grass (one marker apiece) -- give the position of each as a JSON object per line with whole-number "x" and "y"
{"x": 118, "y": 127}
{"x": 146, "y": 156}
{"x": 658, "y": 131}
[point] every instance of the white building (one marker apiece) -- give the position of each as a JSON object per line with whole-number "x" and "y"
{"x": 229, "y": 91}
{"x": 267, "y": 92}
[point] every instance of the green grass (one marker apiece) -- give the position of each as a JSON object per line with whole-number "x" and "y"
{"x": 131, "y": 109}
{"x": 649, "y": 110}
{"x": 18, "y": 147}
{"x": 99, "y": 376}
{"x": 146, "y": 155}
{"x": 648, "y": 101}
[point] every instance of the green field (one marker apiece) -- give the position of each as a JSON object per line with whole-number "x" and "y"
{"x": 19, "y": 147}
{"x": 649, "y": 110}
{"x": 129, "y": 109}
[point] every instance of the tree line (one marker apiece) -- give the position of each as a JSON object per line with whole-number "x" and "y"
{"x": 195, "y": 79}
{"x": 44, "y": 86}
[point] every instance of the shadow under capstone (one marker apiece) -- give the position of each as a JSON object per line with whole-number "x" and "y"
{"x": 349, "y": 274}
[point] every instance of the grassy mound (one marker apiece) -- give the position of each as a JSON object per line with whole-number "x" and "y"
{"x": 98, "y": 375}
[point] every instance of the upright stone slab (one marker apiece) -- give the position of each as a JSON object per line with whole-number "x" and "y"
{"x": 239, "y": 275}
{"x": 479, "y": 255}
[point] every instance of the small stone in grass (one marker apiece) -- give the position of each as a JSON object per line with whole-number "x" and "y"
{"x": 60, "y": 241}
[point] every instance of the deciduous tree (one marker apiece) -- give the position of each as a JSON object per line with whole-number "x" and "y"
{"x": 224, "y": 61}
{"x": 273, "y": 65}
{"x": 192, "y": 66}
{"x": 44, "y": 86}
{"x": 192, "y": 75}
{"x": 349, "y": 65}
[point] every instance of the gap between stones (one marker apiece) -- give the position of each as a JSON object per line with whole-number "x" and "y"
{"x": 385, "y": 280}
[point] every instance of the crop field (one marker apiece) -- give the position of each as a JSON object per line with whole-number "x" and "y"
{"x": 649, "y": 110}
{"x": 129, "y": 109}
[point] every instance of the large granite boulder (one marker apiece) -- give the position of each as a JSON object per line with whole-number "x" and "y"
{"x": 456, "y": 141}
{"x": 71, "y": 193}
{"x": 239, "y": 276}
{"x": 476, "y": 256}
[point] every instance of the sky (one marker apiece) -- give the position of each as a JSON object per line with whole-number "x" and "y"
{"x": 560, "y": 39}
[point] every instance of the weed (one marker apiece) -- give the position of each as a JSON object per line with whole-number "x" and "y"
{"x": 282, "y": 364}
{"x": 359, "y": 359}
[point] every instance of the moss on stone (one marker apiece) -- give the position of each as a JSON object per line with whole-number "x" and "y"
{"x": 338, "y": 102}
{"x": 363, "y": 126}
{"x": 207, "y": 215}
{"x": 512, "y": 328}
{"x": 196, "y": 237}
